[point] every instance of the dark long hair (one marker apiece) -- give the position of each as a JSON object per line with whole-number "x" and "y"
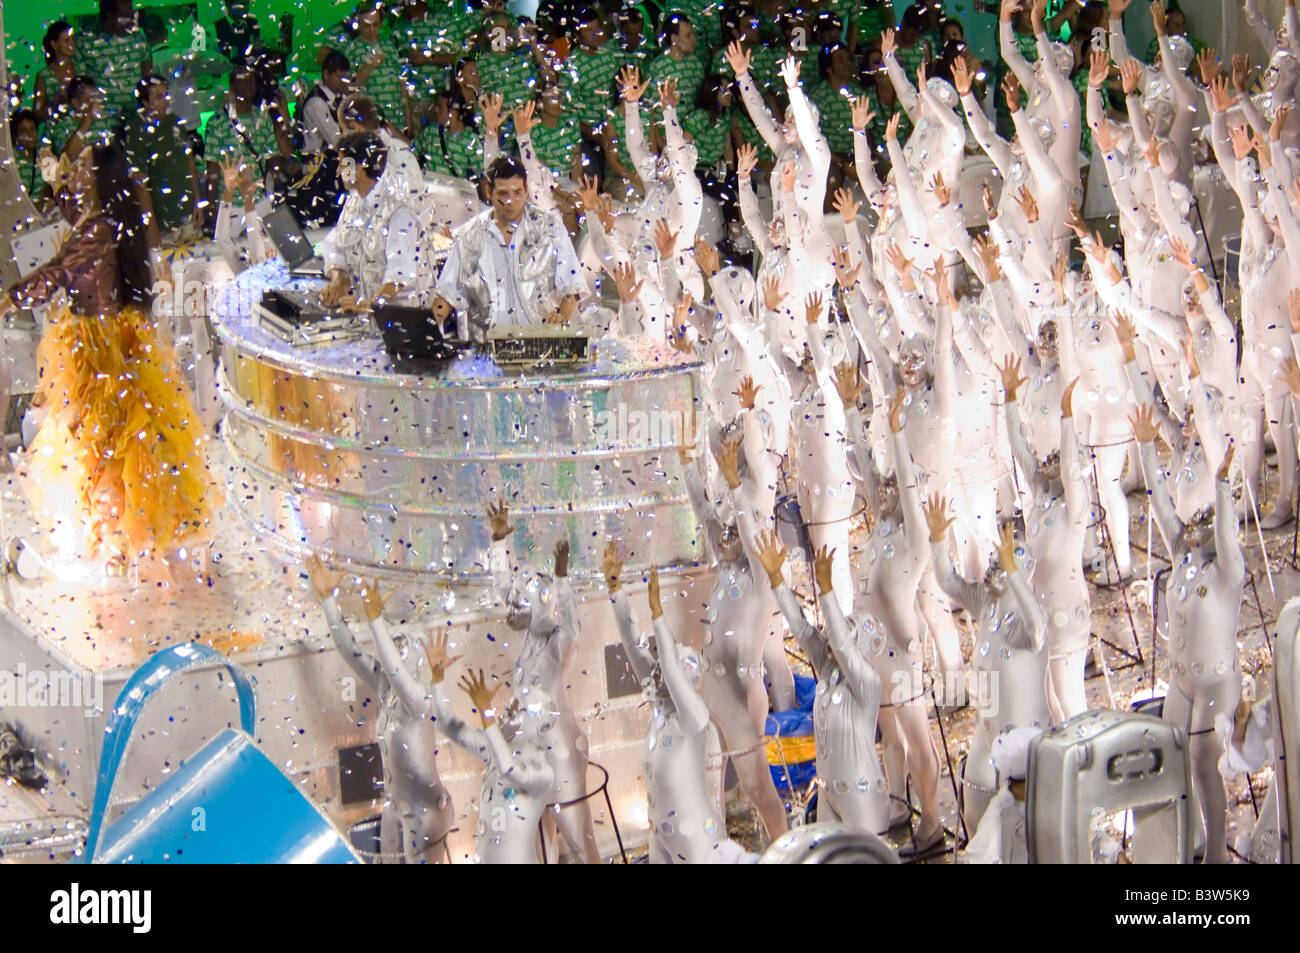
{"x": 117, "y": 197}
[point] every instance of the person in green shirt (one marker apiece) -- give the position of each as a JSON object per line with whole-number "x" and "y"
{"x": 712, "y": 125}
{"x": 506, "y": 66}
{"x": 591, "y": 68}
{"x": 83, "y": 122}
{"x": 159, "y": 148}
{"x": 431, "y": 41}
{"x": 378, "y": 66}
{"x": 742, "y": 26}
{"x": 245, "y": 129}
{"x": 25, "y": 132}
{"x": 450, "y": 144}
{"x": 557, "y": 136}
{"x": 51, "y": 90}
{"x": 705, "y": 15}
{"x": 910, "y": 46}
{"x": 834, "y": 99}
{"x": 116, "y": 56}
{"x": 680, "y": 60}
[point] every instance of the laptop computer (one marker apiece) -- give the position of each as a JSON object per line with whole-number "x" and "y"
{"x": 413, "y": 337}
{"x": 291, "y": 242}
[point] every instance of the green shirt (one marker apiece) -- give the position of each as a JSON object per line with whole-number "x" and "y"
{"x": 384, "y": 85}
{"x": 161, "y": 151}
{"x": 555, "y": 147}
{"x": 462, "y": 155}
{"x": 709, "y": 133}
{"x": 511, "y": 74}
{"x": 704, "y": 16}
{"x": 223, "y": 139}
{"x": 59, "y": 130}
{"x": 446, "y": 30}
{"x": 116, "y": 63}
{"x": 911, "y": 58}
{"x": 29, "y": 173}
{"x": 590, "y": 77}
{"x": 764, "y": 66}
{"x": 835, "y": 103}
{"x": 689, "y": 73}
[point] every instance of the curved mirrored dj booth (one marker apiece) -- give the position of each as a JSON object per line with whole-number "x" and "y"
{"x": 345, "y": 455}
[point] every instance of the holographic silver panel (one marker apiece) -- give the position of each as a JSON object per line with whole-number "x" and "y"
{"x": 346, "y": 456}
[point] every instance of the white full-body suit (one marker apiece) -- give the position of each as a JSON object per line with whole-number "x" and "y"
{"x": 414, "y": 796}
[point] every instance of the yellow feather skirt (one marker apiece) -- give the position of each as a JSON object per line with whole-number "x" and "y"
{"x": 119, "y": 463}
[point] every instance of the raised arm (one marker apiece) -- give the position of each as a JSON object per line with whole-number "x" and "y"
{"x": 861, "y": 677}
{"x": 691, "y": 710}
{"x": 1227, "y": 546}
{"x": 994, "y": 146}
{"x": 810, "y": 134}
{"x": 1162, "y": 504}
{"x": 1011, "y": 54}
{"x": 753, "y": 100}
{"x": 907, "y": 97}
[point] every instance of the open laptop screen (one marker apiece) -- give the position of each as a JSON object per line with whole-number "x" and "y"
{"x": 288, "y": 237}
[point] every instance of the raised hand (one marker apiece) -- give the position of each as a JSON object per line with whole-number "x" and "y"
{"x": 1225, "y": 467}
{"x": 668, "y": 95}
{"x": 1098, "y": 67}
{"x": 846, "y": 206}
{"x": 523, "y": 117}
{"x": 823, "y": 569}
{"x": 1290, "y": 373}
{"x": 1182, "y": 254}
{"x": 896, "y": 410}
{"x": 1126, "y": 334}
{"x": 1279, "y": 122}
{"x": 1011, "y": 89}
{"x": 1208, "y": 62}
{"x": 706, "y": 257}
{"x": 986, "y": 197}
{"x": 937, "y": 518}
{"x": 492, "y": 109}
{"x": 1221, "y": 99}
{"x": 1074, "y": 221}
{"x": 630, "y": 82}
{"x": 1159, "y": 18}
{"x": 1262, "y": 150}
{"x": 652, "y": 594}
{"x": 961, "y": 76}
{"x": 1240, "y": 136}
{"x": 988, "y": 253}
{"x": 846, "y": 272}
{"x": 812, "y": 307}
{"x": 1144, "y": 423}
{"x": 902, "y": 264}
{"x": 561, "y": 558}
{"x": 790, "y": 72}
{"x": 849, "y": 383}
{"x": 888, "y": 43}
{"x": 746, "y": 160}
{"x": 1067, "y": 399}
{"x": 862, "y": 113}
{"x": 436, "y": 653}
{"x": 747, "y": 392}
{"x": 1130, "y": 75}
{"x": 629, "y": 286}
{"x": 942, "y": 193}
{"x": 772, "y": 293}
{"x": 788, "y": 174}
{"x": 1006, "y": 548}
{"x": 1025, "y": 199}
{"x": 665, "y": 238}
{"x": 1037, "y": 10}
{"x": 372, "y": 602}
{"x": 1012, "y": 380}
{"x": 324, "y": 582}
{"x": 772, "y": 556}
{"x": 1240, "y": 72}
{"x": 499, "y": 519}
{"x": 891, "y": 127}
{"x": 612, "y": 567}
{"x": 1189, "y": 355}
{"x": 1117, "y": 8}
{"x": 738, "y": 58}
{"x": 728, "y": 457}
{"x": 480, "y": 696}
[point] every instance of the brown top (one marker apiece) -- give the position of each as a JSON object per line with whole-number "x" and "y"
{"x": 85, "y": 267}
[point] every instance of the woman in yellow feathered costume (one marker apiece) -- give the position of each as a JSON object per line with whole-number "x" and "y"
{"x": 117, "y": 469}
